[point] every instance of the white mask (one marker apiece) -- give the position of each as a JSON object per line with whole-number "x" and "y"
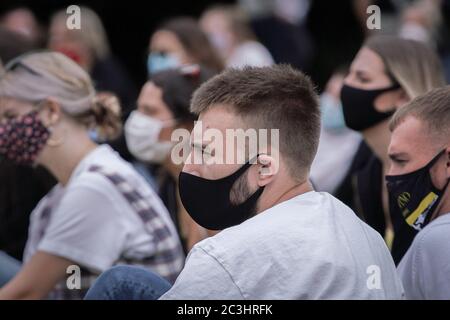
{"x": 142, "y": 137}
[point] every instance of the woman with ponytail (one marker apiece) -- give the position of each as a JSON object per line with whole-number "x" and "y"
{"x": 101, "y": 212}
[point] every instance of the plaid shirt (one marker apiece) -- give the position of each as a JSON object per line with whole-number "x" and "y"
{"x": 167, "y": 260}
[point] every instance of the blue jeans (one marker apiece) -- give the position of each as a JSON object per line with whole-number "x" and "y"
{"x": 9, "y": 267}
{"x": 127, "y": 283}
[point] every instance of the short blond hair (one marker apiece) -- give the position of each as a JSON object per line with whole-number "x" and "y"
{"x": 276, "y": 97}
{"x": 433, "y": 109}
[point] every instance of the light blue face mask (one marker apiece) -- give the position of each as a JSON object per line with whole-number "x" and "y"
{"x": 332, "y": 114}
{"x": 93, "y": 134}
{"x": 157, "y": 62}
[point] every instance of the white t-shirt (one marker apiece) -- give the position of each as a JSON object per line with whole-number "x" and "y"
{"x": 425, "y": 268}
{"x": 309, "y": 247}
{"x": 91, "y": 222}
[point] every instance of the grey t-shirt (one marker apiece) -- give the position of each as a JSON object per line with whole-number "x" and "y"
{"x": 309, "y": 247}
{"x": 425, "y": 268}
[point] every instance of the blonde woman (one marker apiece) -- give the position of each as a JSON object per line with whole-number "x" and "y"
{"x": 386, "y": 73}
{"x": 89, "y": 47}
{"x": 102, "y": 212}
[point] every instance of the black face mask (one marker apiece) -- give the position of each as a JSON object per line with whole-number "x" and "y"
{"x": 208, "y": 201}
{"x": 359, "y": 109}
{"x": 414, "y": 196}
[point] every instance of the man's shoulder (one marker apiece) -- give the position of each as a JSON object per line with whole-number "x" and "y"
{"x": 426, "y": 261}
{"x": 278, "y": 226}
{"x": 434, "y": 235}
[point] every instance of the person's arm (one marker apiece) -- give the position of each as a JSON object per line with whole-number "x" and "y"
{"x": 37, "y": 277}
{"x": 86, "y": 230}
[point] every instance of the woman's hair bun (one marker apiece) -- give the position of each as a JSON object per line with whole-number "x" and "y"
{"x": 107, "y": 115}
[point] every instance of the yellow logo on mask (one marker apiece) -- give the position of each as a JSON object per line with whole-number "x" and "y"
{"x": 403, "y": 199}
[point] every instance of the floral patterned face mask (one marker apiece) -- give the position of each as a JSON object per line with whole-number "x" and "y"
{"x": 23, "y": 138}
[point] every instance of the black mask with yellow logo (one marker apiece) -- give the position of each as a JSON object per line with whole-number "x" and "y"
{"x": 414, "y": 196}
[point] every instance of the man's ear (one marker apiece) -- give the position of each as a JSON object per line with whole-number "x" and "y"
{"x": 268, "y": 168}
{"x": 447, "y": 159}
{"x": 51, "y": 112}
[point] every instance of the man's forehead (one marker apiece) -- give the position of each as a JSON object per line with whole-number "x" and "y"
{"x": 220, "y": 117}
{"x": 411, "y": 134}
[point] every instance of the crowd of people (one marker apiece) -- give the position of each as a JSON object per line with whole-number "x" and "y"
{"x": 351, "y": 202}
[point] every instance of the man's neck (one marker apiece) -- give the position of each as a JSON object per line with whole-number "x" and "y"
{"x": 444, "y": 206}
{"x": 377, "y": 138}
{"x": 290, "y": 193}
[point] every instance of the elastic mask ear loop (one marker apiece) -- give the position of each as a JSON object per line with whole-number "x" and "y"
{"x": 242, "y": 169}
{"x": 444, "y": 189}
{"x": 448, "y": 179}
